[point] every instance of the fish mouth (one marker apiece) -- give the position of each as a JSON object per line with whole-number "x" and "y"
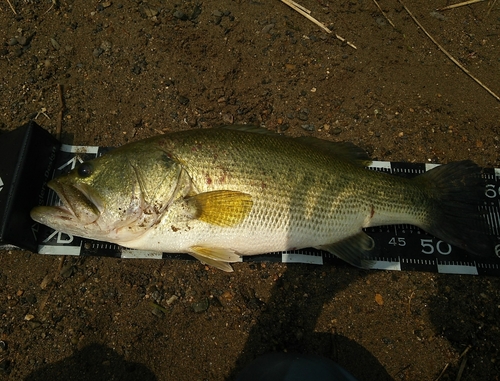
{"x": 76, "y": 203}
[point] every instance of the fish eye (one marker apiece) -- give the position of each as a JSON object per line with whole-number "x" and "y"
{"x": 85, "y": 170}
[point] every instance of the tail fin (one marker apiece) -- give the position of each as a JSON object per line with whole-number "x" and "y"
{"x": 456, "y": 190}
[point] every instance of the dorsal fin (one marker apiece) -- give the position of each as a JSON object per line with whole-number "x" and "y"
{"x": 344, "y": 150}
{"x": 249, "y": 128}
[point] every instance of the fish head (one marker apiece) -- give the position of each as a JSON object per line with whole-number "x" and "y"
{"x": 116, "y": 197}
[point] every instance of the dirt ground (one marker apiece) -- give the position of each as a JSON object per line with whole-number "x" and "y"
{"x": 133, "y": 69}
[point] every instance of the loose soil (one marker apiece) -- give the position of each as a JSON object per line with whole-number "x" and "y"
{"x": 131, "y": 69}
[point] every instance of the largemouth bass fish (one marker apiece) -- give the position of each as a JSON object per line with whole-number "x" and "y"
{"x": 222, "y": 193}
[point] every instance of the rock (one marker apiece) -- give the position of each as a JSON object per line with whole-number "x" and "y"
{"x": 180, "y": 15}
{"x": 172, "y": 299}
{"x": 106, "y": 46}
{"x": 303, "y": 114}
{"x": 200, "y": 306}
{"x": 149, "y": 11}
{"x": 183, "y": 100}
{"x": 267, "y": 28}
{"x": 55, "y": 44}
{"x": 23, "y": 41}
{"x": 97, "y": 52}
{"x": 308, "y": 127}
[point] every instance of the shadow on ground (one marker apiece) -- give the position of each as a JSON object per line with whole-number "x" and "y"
{"x": 93, "y": 363}
{"x": 286, "y": 326}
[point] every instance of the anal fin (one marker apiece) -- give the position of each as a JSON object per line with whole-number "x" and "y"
{"x": 355, "y": 250}
{"x": 216, "y": 257}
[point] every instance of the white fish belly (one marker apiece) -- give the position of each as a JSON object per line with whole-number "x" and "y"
{"x": 249, "y": 238}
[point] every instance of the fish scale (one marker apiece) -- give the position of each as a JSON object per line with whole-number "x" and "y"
{"x": 280, "y": 191}
{"x": 221, "y": 193}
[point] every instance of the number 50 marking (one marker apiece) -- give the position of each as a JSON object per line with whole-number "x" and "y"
{"x": 441, "y": 247}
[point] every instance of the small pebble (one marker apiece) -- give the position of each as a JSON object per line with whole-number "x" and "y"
{"x": 157, "y": 312}
{"x": 200, "y": 306}
{"x": 97, "y": 52}
{"x": 172, "y": 299}
{"x": 183, "y": 100}
{"x": 150, "y": 11}
{"x": 23, "y": 41}
{"x": 180, "y": 15}
{"x": 67, "y": 271}
{"x": 105, "y": 46}
{"x": 267, "y": 28}
{"x": 228, "y": 118}
{"x": 308, "y": 127}
{"x": 303, "y": 114}
{"x": 156, "y": 295}
{"x": 438, "y": 15}
{"x": 55, "y": 44}
{"x": 33, "y": 324}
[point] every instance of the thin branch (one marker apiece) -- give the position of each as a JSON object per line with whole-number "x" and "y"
{"x": 305, "y": 12}
{"x": 449, "y": 55}
{"x": 469, "y": 2}
{"x": 61, "y": 111}
{"x": 11, "y": 7}
{"x": 442, "y": 372}
{"x": 383, "y": 14}
{"x": 491, "y": 7}
{"x": 459, "y": 5}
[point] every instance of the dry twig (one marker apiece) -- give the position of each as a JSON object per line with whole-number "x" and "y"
{"x": 409, "y": 302}
{"x": 464, "y": 362}
{"x": 442, "y": 372}
{"x": 383, "y": 14}
{"x": 61, "y": 112}
{"x": 491, "y": 7}
{"x": 306, "y": 13}
{"x": 461, "y": 369}
{"x": 11, "y": 7}
{"x": 449, "y": 55}
{"x": 459, "y": 5}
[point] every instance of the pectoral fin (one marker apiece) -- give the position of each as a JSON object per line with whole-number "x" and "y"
{"x": 216, "y": 257}
{"x": 354, "y": 250}
{"x": 223, "y": 208}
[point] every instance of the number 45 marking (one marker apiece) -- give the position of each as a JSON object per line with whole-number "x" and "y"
{"x": 428, "y": 246}
{"x": 399, "y": 241}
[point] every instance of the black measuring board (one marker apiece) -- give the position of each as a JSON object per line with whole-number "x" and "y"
{"x": 397, "y": 247}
